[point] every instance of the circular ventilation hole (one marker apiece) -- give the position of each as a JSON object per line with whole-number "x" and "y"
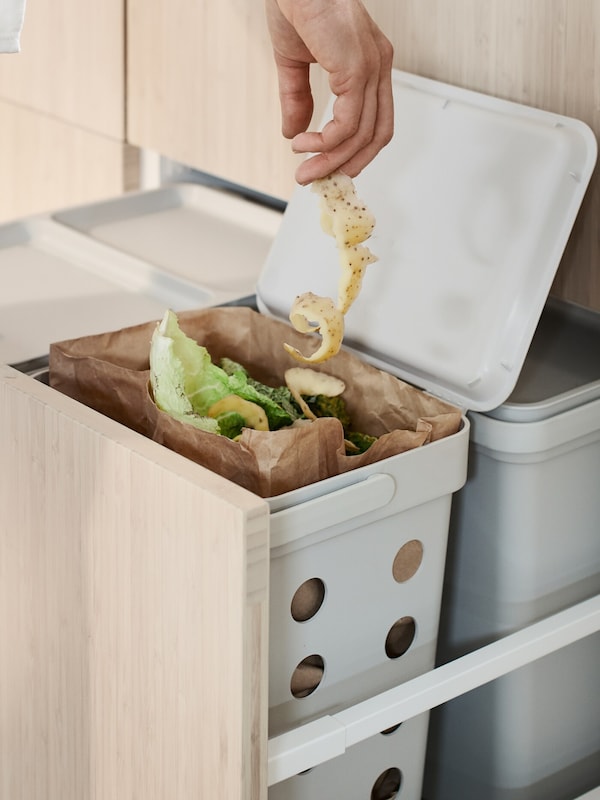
{"x": 387, "y": 785}
{"x": 389, "y": 731}
{"x": 407, "y": 561}
{"x": 400, "y": 637}
{"x": 307, "y": 676}
{"x": 307, "y": 599}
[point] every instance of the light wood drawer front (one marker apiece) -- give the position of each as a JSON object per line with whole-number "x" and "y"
{"x": 133, "y": 589}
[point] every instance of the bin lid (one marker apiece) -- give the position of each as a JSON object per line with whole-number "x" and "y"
{"x": 474, "y": 200}
{"x": 562, "y": 368}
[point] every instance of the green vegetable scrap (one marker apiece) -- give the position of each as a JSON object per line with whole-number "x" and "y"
{"x": 278, "y": 403}
{"x": 184, "y": 381}
{"x": 323, "y": 406}
{"x": 225, "y": 399}
{"x": 231, "y": 424}
{"x": 186, "y": 384}
{"x": 362, "y": 441}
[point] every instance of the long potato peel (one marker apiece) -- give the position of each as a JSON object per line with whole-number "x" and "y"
{"x": 313, "y": 314}
{"x": 349, "y": 221}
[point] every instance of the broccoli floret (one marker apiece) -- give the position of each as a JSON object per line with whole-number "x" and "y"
{"x": 323, "y": 406}
{"x": 360, "y": 440}
{"x": 231, "y": 424}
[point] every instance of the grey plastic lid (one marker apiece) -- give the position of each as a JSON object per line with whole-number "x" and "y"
{"x": 562, "y": 368}
{"x": 475, "y": 198}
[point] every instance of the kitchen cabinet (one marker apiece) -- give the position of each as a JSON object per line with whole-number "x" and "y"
{"x": 71, "y": 64}
{"x": 202, "y": 90}
{"x": 47, "y": 163}
{"x": 62, "y": 109}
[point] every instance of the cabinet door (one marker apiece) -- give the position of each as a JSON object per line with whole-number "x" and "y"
{"x": 62, "y": 109}
{"x": 202, "y": 90}
{"x": 47, "y": 164}
{"x": 133, "y": 613}
{"x": 71, "y": 64}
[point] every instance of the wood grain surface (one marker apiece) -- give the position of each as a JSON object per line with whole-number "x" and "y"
{"x": 133, "y": 613}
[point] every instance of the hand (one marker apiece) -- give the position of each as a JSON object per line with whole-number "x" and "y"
{"x": 341, "y": 37}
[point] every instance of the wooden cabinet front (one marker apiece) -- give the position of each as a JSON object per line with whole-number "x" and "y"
{"x": 133, "y": 611}
{"x": 62, "y": 109}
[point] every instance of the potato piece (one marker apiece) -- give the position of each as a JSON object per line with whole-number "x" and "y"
{"x": 253, "y": 414}
{"x": 311, "y": 313}
{"x": 354, "y": 261}
{"x": 343, "y": 215}
{"x": 304, "y": 381}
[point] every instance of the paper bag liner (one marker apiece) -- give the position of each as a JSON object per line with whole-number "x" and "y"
{"x": 110, "y": 373}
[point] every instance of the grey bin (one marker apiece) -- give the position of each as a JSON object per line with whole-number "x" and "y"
{"x": 525, "y": 543}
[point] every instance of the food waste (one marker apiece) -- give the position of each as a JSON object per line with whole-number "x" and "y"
{"x": 224, "y": 398}
{"x": 349, "y": 221}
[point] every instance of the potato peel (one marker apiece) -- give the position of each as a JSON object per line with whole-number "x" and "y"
{"x": 253, "y": 414}
{"x": 354, "y": 261}
{"x": 313, "y": 314}
{"x": 344, "y": 217}
{"x": 305, "y": 381}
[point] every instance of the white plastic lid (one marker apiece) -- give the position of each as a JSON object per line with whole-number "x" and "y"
{"x": 474, "y": 198}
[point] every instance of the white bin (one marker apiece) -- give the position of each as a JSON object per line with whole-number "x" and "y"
{"x": 385, "y": 766}
{"x": 525, "y": 543}
{"x": 374, "y": 543}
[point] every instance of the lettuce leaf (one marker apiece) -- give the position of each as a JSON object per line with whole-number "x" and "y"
{"x": 185, "y": 383}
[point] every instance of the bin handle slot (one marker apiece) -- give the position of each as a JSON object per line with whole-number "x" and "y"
{"x": 330, "y": 509}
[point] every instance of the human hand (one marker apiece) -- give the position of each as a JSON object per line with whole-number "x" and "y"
{"x": 341, "y": 37}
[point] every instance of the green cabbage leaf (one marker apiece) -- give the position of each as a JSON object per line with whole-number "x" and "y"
{"x": 185, "y": 382}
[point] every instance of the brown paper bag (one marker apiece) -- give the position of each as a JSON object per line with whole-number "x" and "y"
{"x": 110, "y": 373}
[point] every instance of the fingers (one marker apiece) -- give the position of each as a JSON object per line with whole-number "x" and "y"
{"x": 295, "y": 98}
{"x": 292, "y": 60}
{"x": 384, "y": 128}
{"x": 362, "y": 124}
{"x": 343, "y": 39}
{"x": 354, "y": 118}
